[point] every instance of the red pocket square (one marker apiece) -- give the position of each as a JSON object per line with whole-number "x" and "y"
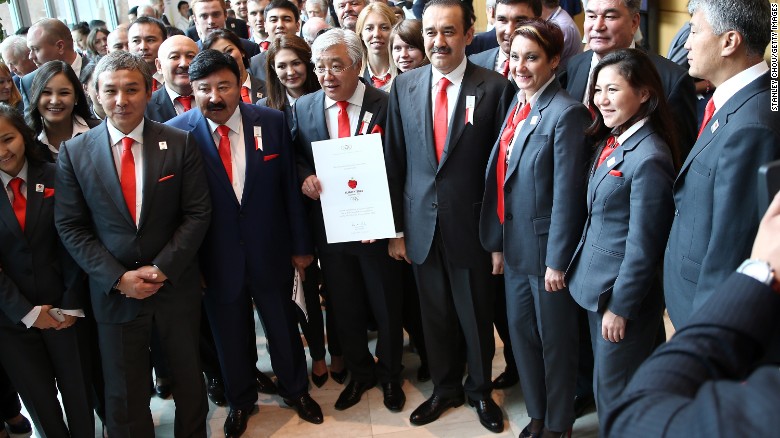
{"x": 165, "y": 178}
{"x": 614, "y": 172}
{"x": 270, "y": 157}
{"x": 48, "y": 193}
{"x": 378, "y": 130}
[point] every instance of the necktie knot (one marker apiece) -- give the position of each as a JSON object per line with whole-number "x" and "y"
{"x": 523, "y": 113}
{"x": 185, "y": 101}
{"x": 127, "y": 144}
{"x": 443, "y": 84}
{"x": 342, "y": 104}
{"x": 611, "y": 142}
{"x": 223, "y": 130}
{"x": 16, "y": 186}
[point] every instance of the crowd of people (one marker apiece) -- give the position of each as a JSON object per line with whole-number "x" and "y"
{"x": 162, "y": 188}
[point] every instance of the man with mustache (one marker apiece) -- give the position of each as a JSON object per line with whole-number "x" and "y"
{"x": 175, "y": 96}
{"x": 348, "y": 11}
{"x": 145, "y": 36}
{"x": 258, "y": 236}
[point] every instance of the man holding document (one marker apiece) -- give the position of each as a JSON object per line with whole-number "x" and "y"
{"x": 360, "y": 276}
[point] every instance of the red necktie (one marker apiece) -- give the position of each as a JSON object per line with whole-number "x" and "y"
{"x": 506, "y": 137}
{"x": 185, "y": 101}
{"x": 224, "y": 150}
{"x": 20, "y": 203}
{"x": 264, "y": 46}
{"x": 505, "y": 68}
{"x": 344, "y": 130}
{"x": 608, "y": 148}
{"x": 245, "y": 95}
{"x": 440, "y": 121}
{"x": 127, "y": 179}
{"x": 709, "y": 110}
{"x": 155, "y": 85}
{"x": 380, "y": 82}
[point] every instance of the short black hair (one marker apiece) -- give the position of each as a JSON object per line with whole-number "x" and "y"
{"x": 466, "y": 9}
{"x": 224, "y": 34}
{"x": 22, "y": 30}
{"x": 283, "y": 4}
{"x": 182, "y": 3}
{"x": 149, "y": 20}
{"x": 133, "y": 11}
{"x": 97, "y": 23}
{"x": 535, "y": 5}
{"x": 210, "y": 61}
{"x": 173, "y": 30}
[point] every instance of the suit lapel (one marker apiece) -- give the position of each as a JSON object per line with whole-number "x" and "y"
{"x": 210, "y": 154}
{"x": 424, "y": 112}
{"x": 99, "y": 146}
{"x": 529, "y": 126}
{"x": 317, "y": 116}
{"x": 470, "y": 86}
{"x": 154, "y": 158}
{"x": 369, "y": 105}
{"x": 619, "y": 155}
{"x": 251, "y": 153}
{"x": 580, "y": 79}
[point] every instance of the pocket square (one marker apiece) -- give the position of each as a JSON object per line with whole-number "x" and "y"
{"x": 378, "y": 130}
{"x": 166, "y": 178}
{"x": 614, "y": 172}
{"x": 48, "y": 193}
{"x": 270, "y": 157}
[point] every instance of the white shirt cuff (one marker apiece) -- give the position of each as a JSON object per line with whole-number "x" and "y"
{"x": 30, "y": 318}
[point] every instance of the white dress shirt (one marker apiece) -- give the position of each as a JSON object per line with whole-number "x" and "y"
{"x": 137, "y": 134}
{"x": 531, "y": 102}
{"x": 237, "y": 149}
{"x": 730, "y": 87}
{"x": 79, "y": 127}
{"x": 453, "y": 91}
{"x": 353, "y": 111}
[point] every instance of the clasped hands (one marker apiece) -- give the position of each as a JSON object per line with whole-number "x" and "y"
{"x": 141, "y": 283}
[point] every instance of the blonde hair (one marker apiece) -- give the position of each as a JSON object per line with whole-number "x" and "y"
{"x": 16, "y": 97}
{"x": 386, "y": 12}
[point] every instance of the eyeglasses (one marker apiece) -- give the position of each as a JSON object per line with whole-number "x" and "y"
{"x": 320, "y": 71}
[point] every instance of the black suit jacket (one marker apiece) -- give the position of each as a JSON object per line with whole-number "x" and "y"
{"x": 98, "y": 231}
{"x": 160, "y": 108}
{"x": 482, "y": 41}
{"x": 680, "y": 92}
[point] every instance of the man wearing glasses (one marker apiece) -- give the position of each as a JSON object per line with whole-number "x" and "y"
{"x": 361, "y": 278}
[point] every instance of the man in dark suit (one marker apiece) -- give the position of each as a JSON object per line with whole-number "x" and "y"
{"x": 437, "y": 178}
{"x": 716, "y": 212}
{"x": 144, "y": 37}
{"x": 258, "y": 234}
{"x": 282, "y": 18}
{"x": 705, "y": 381}
{"x": 175, "y": 96}
{"x": 611, "y": 25}
{"x": 361, "y": 278}
{"x": 132, "y": 212}
{"x": 211, "y": 15}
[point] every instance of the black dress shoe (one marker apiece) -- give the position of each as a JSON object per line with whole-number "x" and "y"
{"x": 307, "y": 408}
{"x": 394, "y": 397}
{"x": 490, "y": 415}
{"x": 215, "y": 389}
{"x": 340, "y": 377}
{"x": 235, "y": 423}
{"x": 319, "y": 380}
{"x": 21, "y": 427}
{"x": 423, "y": 373}
{"x": 506, "y": 379}
{"x": 350, "y": 396}
{"x": 264, "y": 383}
{"x": 431, "y": 409}
{"x": 584, "y": 405}
{"x": 163, "y": 390}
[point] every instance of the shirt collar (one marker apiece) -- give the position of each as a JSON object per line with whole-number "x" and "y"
{"x": 374, "y": 75}
{"x": 631, "y": 131}
{"x": 22, "y": 174}
{"x": 79, "y": 127}
{"x": 248, "y": 83}
{"x": 77, "y": 63}
{"x": 290, "y": 99}
{"x": 233, "y": 123}
{"x": 116, "y": 136}
{"x": 455, "y": 76}
{"x": 538, "y": 93}
{"x": 355, "y": 99}
{"x": 737, "y": 82}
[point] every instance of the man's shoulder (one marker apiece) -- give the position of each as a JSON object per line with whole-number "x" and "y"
{"x": 577, "y": 60}
{"x": 475, "y": 72}
{"x": 486, "y": 58}
{"x": 411, "y": 76}
{"x": 307, "y": 100}
{"x": 666, "y": 67}
{"x": 154, "y": 128}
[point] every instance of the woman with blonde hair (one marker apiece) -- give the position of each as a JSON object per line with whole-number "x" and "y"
{"x": 374, "y": 25}
{"x": 9, "y": 94}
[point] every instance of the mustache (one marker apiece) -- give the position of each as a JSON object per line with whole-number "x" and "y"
{"x": 215, "y": 106}
{"x": 443, "y": 50}
{"x": 182, "y": 70}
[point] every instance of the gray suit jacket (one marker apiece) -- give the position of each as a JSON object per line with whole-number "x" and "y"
{"x": 426, "y": 193}
{"x": 257, "y": 66}
{"x": 715, "y": 195}
{"x": 160, "y": 108}
{"x": 98, "y": 231}
{"x": 486, "y": 59}
{"x": 630, "y": 210}
{"x": 544, "y": 188}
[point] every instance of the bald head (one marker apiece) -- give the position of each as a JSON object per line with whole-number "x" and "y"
{"x": 312, "y": 28}
{"x": 173, "y": 61}
{"x": 117, "y": 39}
{"x": 49, "y": 39}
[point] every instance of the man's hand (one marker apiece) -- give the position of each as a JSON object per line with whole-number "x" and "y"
{"x": 139, "y": 284}
{"x": 159, "y": 276}
{"x": 69, "y": 321}
{"x": 311, "y": 187}
{"x": 301, "y": 262}
{"x": 554, "y": 280}
{"x": 45, "y": 321}
{"x": 613, "y": 327}
{"x": 396, "y": 247}
{"x": 497, "y": 259}
{"x": 766, "y": 247}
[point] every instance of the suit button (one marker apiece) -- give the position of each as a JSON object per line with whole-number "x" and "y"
{"x": 508, "y": 216}
{"x": 434, "y": 205}
{"x": 507, "y": 189}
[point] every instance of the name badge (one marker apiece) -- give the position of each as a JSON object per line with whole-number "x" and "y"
{"x": 258, "y": 138}
{"x": 470, "y": 104}
{"x": 163, "y": 145}
{"x": 611, "y": 162}
{"x": 39, "y": 188}
{"x": 715, "y": 126}
{"x": 534, "y": 119}
{"x": 364, "y": 123}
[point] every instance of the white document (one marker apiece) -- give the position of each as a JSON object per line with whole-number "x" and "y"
{"x": 297, "y": 293}
{"x": 355, "y": 196}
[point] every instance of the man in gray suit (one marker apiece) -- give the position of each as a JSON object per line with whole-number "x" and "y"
{"x": 716, "y": 214}
{"x": 436, "y": 174}
{"x": 132, "y": 212}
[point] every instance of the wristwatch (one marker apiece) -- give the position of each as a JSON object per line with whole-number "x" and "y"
{"x": 761, "y": 271}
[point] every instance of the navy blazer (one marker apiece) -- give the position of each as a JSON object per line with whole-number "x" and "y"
{"x": 482, "y": 41}
{"x": 544, "y": 187}
{"x": 254, "y": 239}
{"x": 715, "y": 195}
{"x": 36, "y": 268}
{"x": 160, "y": 108}
{"x": 630, "y": 211}
{"x": 257, "y": 66}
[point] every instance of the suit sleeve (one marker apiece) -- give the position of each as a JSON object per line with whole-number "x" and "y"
{"x": 12, "y": 302}
{"x": 195, "y": 206}
{"x": 703, "y": 382}
{"x": 735, "y": 214}
{"x": 395, "y": 157}
{"x": 682, "y": 102}
{"x": 76, "y": 287}
{"x": 568, "y": 207}
{"x": 301, "y": 244}
{"x": 650, "y": 219}
{"x": 305, "y": 168}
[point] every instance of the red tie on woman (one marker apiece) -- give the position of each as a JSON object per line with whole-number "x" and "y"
{"x": 127, "y": 179}
{"x": 224, "y": 151}
{"x": 709, "y": 110}
{"x": 380, "y": 82}
{"x": 264, "y": 45}
{"x": 245, "y": 95}
{"x": 185, "y": 101}
{"x": 344, "y": 130}
{"x": 506, "y": 137}
{"x": 440, "y": 121}
{"x": 20, "y": 203}
{"x": 608, "y": 148}
{"x": 505, "y": 68}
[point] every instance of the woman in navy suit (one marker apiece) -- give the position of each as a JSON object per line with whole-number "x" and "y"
{"x": 41, "y": 290}
{"x": 532, "y": 217}
{"x": 614, "y": 274}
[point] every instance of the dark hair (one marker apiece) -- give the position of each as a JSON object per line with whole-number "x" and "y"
{"x": 465, "y": 8}
{"x": 551, "y": 3}
{"x": 173, "y": 30}
{"x": 22, "y": 30}
{"x": 638, "y": 70}
{"x": 121, "y": 60}
{"x": 283, "y": 4}
{"x": 545, "y": 33}
{"x": 149, "y": 20}
{"x": 94, "y": 24}
{"x": 210, "y": 61}
{"x": 133, "y": 11}
{"x": 535, "y": 5}
{"x": 43, "y": 75}
{"x": 410, "y": 32}
{"x": 34, "y": 150}
{"x": 92, "y": 38}
{"x": 277, "y": 93}
{"x": 752, "y": 19}
{"x": 182, "y": 3}
{"x": 224, "y": 34}
{"x": 81, "y": 27}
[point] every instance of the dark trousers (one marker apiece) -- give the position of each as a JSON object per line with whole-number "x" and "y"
{"x": 452, "y": 296}
{"x": 313, "y": 328}
{"x": 411, "y": 311}
{"x": 9, "y": 399}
